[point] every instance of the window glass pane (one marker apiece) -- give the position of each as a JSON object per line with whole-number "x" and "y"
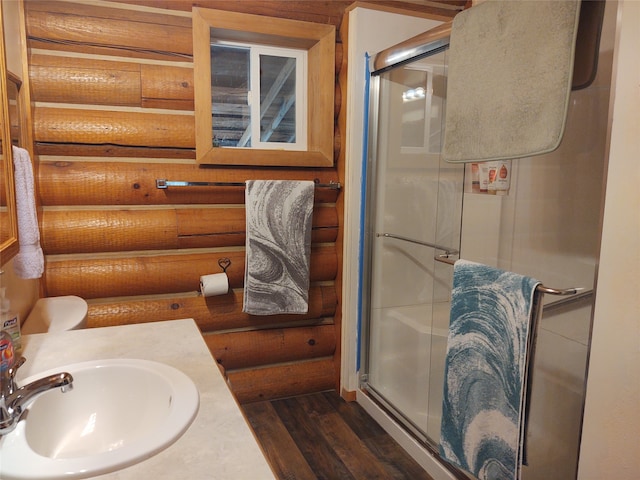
{"x": 414, "y": 108}
{"x": 230, "y": 86}
{"x": 277, "y": 99}
{"x": 422, "y": 89}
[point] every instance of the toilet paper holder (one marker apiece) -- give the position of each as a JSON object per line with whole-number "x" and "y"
{"x": 215, "y": 283}
{"x": 224, "y": 264}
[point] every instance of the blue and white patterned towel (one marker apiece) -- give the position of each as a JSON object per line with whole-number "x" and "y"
{"x": 485, "y": 371}
{"x": 278, "y": 246}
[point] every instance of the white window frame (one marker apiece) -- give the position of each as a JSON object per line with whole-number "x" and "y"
{"x": 300, "y": 56}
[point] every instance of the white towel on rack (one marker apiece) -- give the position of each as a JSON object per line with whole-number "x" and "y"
{"x": 29, "y": 262}
{"x": 510, "y": 72}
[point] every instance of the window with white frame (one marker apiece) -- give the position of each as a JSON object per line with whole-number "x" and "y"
{"x": 258, "y": 96}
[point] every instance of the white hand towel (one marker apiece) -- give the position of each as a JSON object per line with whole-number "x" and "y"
{"x": 29, "y": 262}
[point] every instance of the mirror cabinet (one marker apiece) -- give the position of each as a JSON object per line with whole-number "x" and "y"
{"x": 10, "y": 134}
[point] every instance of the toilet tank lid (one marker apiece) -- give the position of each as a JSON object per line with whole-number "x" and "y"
{"x": 54, "y": 314}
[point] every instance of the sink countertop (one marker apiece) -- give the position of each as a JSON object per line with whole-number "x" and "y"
{"x": 218, "y": 445}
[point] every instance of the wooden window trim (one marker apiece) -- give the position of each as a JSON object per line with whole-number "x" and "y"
{"x": 317, "y": 39}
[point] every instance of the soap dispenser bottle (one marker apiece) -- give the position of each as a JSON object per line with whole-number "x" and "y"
{"x": 9, "y": 321}
{"x": 7, "y": 357}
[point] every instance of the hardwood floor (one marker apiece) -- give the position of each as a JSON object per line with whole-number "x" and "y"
{"x": 320, "y": 436}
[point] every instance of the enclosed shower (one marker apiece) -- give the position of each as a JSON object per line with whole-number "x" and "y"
{"x": 415, "y": 215}
{"x": 421, "y": 212}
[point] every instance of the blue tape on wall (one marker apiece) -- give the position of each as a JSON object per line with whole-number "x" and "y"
{"x": 363, "y": 197}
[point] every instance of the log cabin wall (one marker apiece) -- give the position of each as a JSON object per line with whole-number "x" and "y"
{"x": 113, "y": 110}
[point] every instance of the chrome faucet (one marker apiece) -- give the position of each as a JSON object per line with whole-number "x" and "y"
{"x": 12, "y": 398}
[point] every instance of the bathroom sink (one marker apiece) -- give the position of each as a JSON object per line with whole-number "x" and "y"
{"x": 119, "y": 412}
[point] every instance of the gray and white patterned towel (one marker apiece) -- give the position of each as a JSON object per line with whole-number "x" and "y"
{"x": 278, "y": 246}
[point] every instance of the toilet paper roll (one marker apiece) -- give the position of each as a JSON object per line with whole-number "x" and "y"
{"x": 214, "y": 284}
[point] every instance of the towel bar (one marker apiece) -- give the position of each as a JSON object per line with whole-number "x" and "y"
{"x": 163, "y": 183}
{"x": 449, "y": 251}
{"x": 540, "y": 288}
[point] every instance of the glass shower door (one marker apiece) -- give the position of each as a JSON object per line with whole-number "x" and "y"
{"x": 414, "y": 210}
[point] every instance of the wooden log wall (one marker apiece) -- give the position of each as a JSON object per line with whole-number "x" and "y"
{"x": 113, "y": 111}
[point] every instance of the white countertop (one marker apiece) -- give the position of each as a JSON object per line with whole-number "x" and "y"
{"x": 218, "y": 445}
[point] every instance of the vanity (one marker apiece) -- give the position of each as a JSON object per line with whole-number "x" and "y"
{"x": 219, "y": 444}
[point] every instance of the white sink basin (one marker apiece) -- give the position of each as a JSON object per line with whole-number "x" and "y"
{"x": 120, "y": 412}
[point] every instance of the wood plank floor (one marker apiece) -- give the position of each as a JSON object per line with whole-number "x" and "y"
{"x": 320, "y": 436}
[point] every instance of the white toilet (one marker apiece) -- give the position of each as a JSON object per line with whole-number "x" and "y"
{"x": 56, "y": 314}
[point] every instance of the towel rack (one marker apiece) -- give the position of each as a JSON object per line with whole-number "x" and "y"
{"x": 444, "y": 258}
{"x": 449, "y": 251}
{"x": 164, "y": 183}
